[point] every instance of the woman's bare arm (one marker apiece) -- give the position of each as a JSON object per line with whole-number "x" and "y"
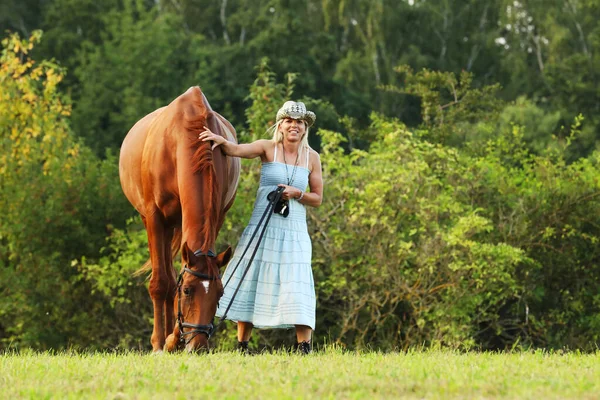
{"x": 246, "y": 150}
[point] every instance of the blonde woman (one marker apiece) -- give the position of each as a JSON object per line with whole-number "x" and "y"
{"x": 278, "y": 290}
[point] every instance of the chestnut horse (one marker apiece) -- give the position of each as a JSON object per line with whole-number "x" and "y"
{"x": 182, "y": 190}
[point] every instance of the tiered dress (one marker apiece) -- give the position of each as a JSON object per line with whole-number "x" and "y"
{"x": 278, "y": 290}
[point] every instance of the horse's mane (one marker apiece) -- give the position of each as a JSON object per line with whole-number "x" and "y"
{"x": 192, "y": 123}
{"x": 203, "y": 165}
{"x": 188, "y": 117}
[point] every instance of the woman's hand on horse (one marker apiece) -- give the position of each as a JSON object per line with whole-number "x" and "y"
{"x": 208, "y": 135}
{"x": 290, "y": 192}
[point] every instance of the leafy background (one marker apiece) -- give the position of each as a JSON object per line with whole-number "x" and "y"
{"x": 458, "y": 139}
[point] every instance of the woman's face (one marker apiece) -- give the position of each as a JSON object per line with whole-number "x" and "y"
{"x": 293, "y": 129}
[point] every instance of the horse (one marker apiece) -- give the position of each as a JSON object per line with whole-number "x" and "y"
{"x": 182, "y": 190}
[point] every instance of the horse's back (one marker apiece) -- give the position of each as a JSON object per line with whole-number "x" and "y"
{"x": 148, "y": 162}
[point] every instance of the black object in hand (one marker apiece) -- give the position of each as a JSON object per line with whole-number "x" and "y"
{"x": 282, "y": 207}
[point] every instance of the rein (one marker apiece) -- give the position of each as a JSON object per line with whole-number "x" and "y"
{"x": 268, "y": 213}
{"x": 210, "y": 329}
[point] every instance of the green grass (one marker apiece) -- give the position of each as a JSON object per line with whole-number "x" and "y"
{"x": 330, "y": 374}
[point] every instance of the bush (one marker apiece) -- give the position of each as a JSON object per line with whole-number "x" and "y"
{"x": 58, "y": 203}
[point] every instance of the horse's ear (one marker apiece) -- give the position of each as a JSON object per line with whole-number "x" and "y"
{"x": 187, "y": 255}
{"x": 224, "y": 257}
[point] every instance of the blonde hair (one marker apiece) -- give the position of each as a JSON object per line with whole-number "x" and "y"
{"x": 278, "y": 135}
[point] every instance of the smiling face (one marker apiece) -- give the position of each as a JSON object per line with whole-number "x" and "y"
{"x": 293, "y": 129}
{"x": 200, "y": 294}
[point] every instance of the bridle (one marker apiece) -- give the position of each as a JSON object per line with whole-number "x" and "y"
{"x": 196, "y": 329}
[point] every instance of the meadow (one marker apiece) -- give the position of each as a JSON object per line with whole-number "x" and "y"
{"x": 330, "y": 374}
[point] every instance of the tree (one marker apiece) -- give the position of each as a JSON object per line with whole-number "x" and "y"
{"x": 58, "y": 203}
{"x": 142, "y": 64}
{"x": 551, "y": 49}
{"x": 21, "y": 15}
{"x": 69, "y": 26}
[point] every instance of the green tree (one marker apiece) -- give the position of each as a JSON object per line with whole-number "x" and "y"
{"x": 141, "y": 65}
{"x": 69, "y": 26}
{"x": 58, "y": 204}
{"x": 22, "y": 16}
{"x": 452, "y": 109}
{"x": 551, "y": 49}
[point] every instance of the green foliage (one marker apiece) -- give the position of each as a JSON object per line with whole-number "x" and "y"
{"x": 20, "y": 15}
{"x": 552, "y": 49}
{"x": 125, "y": 251}
{"x": 112, "y": 278}
{"x": 536, "y": 123}
{"x": 58, "y": 203}
{"x": 266, "y": 96}
{"x": 140, "y": 66}
{"x": 71, "y": 26}
{"x": 471, "y": 223}
{"x": 450, "y": 105}
{"x": 343, "y": 50}
{"x": 406, "y": 260}
{"x": 418, "y": 243}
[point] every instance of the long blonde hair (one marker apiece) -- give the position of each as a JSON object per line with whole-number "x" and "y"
{"x": 278, "y": 135}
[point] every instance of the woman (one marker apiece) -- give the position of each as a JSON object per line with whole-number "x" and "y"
{"x": 278, "y": 290}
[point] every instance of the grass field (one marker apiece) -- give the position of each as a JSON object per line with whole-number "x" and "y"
{"x": 330, "y": 374}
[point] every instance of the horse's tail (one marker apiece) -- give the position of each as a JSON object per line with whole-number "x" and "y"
{"x": 175, "y": 247}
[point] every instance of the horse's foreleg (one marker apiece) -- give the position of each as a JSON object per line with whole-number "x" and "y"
{"x": 170, "y": 274}
{"x": 172, "y": 341}
{"x": 159, "y": 282}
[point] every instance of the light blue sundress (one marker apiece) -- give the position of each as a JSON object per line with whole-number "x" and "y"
{"x": 278, "y": 290}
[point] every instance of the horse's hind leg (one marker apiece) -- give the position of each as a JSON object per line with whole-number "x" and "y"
{"x": 159, "y": 281}
{"x": 172, "y": 284}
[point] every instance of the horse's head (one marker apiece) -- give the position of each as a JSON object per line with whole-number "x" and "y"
{"x": 199, "y": 289}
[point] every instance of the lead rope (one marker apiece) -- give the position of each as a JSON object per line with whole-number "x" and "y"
{"x": 269, "y": 207}
{"x": 268, "y": 214}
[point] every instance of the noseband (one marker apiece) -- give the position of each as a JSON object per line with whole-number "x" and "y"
{"x": 196, "y": 329}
